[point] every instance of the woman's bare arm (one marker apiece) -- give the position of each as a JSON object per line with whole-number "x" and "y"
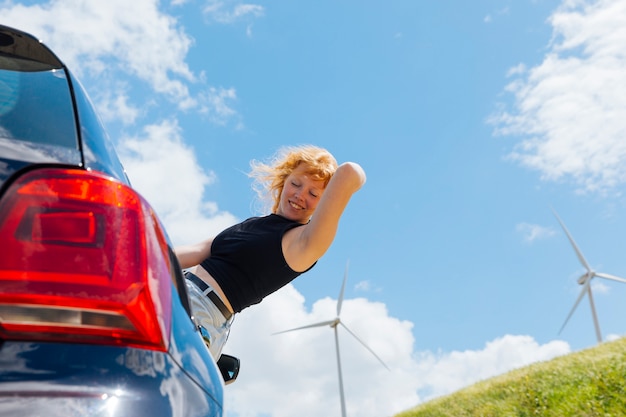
{"x": 192, "y": 255}
{"x": 302, "y": 246}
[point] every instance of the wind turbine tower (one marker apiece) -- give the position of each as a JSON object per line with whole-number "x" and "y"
{"x": 334, "y": 324}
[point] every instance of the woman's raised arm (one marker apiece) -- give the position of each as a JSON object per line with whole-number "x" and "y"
{"x": 304, "y": 245}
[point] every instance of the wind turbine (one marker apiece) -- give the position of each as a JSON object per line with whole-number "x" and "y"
{"x": 334, "y": 324}
{"x": 585, "y": 281}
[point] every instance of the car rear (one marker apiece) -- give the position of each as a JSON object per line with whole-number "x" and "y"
{"x": 94, "y": 318}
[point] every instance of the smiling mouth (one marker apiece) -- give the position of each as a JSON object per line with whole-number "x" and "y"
{"x": 296, "y": 206}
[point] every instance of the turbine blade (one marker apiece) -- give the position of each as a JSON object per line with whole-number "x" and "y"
{"x": 580, "y": 296}
{"x": 343, "y": 288}
{"x": 609, "y": 276}
{"x": 364, "y": 345}
{"x": 581, "y": 258}
{"x": 596, "y": 324}
{"x": 321, "y": 324}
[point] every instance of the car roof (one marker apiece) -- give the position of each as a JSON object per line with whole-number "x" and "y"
{"x": 30, "y": 50}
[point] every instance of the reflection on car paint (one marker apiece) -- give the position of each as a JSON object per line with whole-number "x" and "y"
{"x": 37, "y": 153}
{"x": 143, "y": 362}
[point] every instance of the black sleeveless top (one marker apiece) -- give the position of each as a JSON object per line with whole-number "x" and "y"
{"x": 247, "y": 260}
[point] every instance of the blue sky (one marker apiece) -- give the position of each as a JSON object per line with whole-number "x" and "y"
{"x": 471, "y": 119}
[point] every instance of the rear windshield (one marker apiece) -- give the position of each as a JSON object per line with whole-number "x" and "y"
{"x": 36, "y": 106}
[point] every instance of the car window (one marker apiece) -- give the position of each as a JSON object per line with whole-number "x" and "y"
{"x": 36, "y": 106}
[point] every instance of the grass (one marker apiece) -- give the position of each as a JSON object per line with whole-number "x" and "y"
{"x": 589, "y": 383}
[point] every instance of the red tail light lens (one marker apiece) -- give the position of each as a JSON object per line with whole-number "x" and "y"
{"x": 83, "y": 257}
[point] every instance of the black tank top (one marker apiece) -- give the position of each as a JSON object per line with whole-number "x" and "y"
{"x": 247, "y": 260}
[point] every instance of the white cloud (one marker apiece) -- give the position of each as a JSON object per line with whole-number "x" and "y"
{"x": 599, "y": 287}
{"x": 489, "y": 17}
{"x": 224, "y": 11}
{"x": 115, "y": 105}
{"x": 532, "y": 232}
{"x": 571, "y": 108}
{"x": 451, "y": 371}
{"x": 363, "y": 286}
{"x": 519, "y": 69}
{"x": 166, "y": 172}
{"x": 215, "y": 103}
{"x": 295, "y": 373}
{"x": 366, "y": 286}
{"x": 612, "y": 337}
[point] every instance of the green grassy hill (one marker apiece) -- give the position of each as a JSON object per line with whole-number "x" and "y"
{"x": 588, "y": 383}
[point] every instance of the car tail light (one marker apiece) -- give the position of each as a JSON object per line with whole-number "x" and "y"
{"x": 82, "y": 258}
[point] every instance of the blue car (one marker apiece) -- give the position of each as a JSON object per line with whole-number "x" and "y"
{"x": 94, "y": 314}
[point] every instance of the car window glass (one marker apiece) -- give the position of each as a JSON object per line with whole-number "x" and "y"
{"x": 36, "y": 106}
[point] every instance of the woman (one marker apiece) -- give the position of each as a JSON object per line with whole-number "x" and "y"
{"x": 250, "y": 260}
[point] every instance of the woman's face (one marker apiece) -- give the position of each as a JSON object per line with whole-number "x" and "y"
{"x": 300, "y": 195}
